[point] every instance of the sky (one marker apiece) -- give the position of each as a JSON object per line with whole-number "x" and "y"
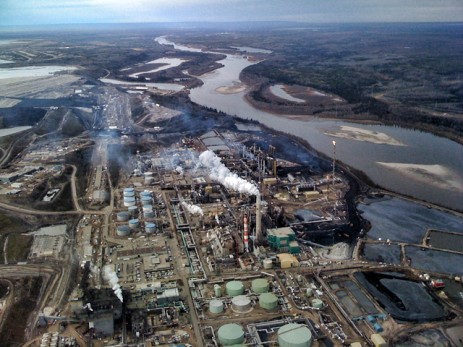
{"x": 37, "y": 12}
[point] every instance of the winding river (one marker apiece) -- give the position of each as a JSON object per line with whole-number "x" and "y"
{"x": 411, "y": 162}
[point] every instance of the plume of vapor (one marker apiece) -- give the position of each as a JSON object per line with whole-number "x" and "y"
{"x": 193, "y": 209}
{"x": 111, "y": 277}
{"x": 219, "y": 172}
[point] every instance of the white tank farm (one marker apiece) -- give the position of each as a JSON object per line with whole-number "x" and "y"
{"x": 216, "y": 306}
{"x": 241, "y": 304}
{"x": 294, "y": 335}
{"x": 123, "y": 230}
{"x": 230, "y": 334}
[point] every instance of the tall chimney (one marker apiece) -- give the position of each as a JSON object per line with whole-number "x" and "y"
{"x": 258, "y": 220}
{"x": 246, "y": 233}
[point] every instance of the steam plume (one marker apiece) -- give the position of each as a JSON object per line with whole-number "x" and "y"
{"x": 111, "y": 277}
{"x": 193, "y": 209}
{"x": 219, "y": 172}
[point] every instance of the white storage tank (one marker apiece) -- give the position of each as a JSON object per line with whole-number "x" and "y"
{"x": 123, "y": 230}
{"x": 268, "y": 264}
{"x": 134, "y": 224}
{"x": 216, "y": 306}
{"x": 217, "y": 290}
{"x": 149, "y": 214}
{"x": 146, "y": 200}
{"x": 241, "y": 304}
{"x": 150, "y": 228}
{"x": 147, "y": 208}
{"x": 129, "y": 201}
{"x": 122, "y": 216}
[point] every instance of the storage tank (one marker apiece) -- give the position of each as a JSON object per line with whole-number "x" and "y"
{"x": 234, "y": 288}
{"x": 147, "y": 208}
{"x": 134, "y": 224}
{"x": 146, "y": 193}
{"x": 148, "y": 174}
{"x": 150, "y": 228}
{"x": 148, "y": 214}
{"x": 149, "y": 181}
{"x": 268, "y": 264}
{"x": 317, "y": 303}
{"x": 294, "y": 335}
{"x": 230, "y": 334}
{"x": 268, "y": 301}
{"x": 122, "y": 217}
{"x": 133, "y": 211}
{"x": 216, "y": 306}
{"x": 129, "y": 201}
{"x": 308, "y": 292}
{"x": 217, "y": 290}
{"x": 146, "y": 200}
{"x": 130, "y": 194}
{"x": 123, "y": 230}
{"x": 260, "y": 285}
{"x": 241, "y": 304}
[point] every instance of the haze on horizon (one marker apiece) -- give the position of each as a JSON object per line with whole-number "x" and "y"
{"x": 43, "y": 12}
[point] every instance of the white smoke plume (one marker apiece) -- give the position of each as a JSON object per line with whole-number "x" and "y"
{"x": 193, "y": 209}
{"x": 219, "y": 172}
{"x": 110, "y": 276}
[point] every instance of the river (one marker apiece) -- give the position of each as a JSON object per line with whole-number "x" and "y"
{"x": 410, "y": 162}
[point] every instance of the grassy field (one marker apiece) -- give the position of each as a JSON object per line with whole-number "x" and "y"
{"x": 18, "y": 247}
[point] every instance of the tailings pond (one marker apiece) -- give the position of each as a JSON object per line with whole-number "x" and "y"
{"x": 403, "y": 299}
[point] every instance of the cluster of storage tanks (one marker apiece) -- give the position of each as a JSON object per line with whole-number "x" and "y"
{"x": 130, "y": 216}
{"x": 289, "y": 335}
{"x": 49, "y": 340}
{"x": 241, "y": 303}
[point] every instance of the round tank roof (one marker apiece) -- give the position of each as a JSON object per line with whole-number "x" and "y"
{"x": 216, "y": 306}
{"x": 268, "y": 299}
{"x": 294, "y": 335}
{"x": 235, "y": 288}
{"x": 260, "y": 285}
{"x": 129, "y": 189}
{"x": 230, "y": 334}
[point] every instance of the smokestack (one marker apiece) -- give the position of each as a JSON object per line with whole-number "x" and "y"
{"x": 258, "y": 220}
{"x": 246, "y": 234}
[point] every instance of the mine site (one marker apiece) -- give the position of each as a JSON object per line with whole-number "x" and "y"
{"x": 172, "y": 188}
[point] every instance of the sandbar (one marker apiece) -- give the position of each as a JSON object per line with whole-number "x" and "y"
{"x": 359, "y": 134}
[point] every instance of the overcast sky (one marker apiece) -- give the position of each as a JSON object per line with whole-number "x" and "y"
{"x": 32, "y": 12}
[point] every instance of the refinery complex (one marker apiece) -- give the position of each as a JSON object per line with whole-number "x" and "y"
{"x": 132, "y": 215}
